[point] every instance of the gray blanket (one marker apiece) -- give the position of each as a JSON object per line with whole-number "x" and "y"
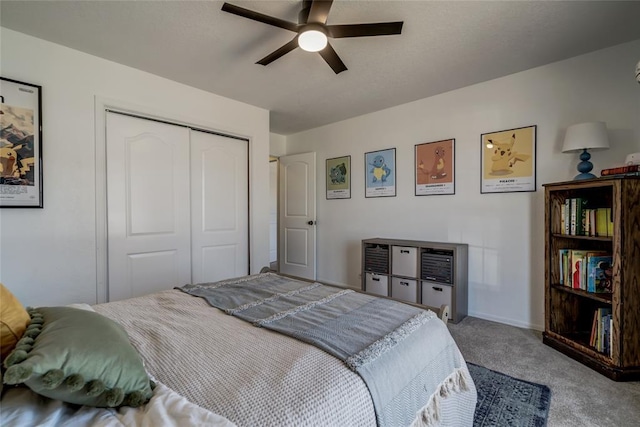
{"x": 382, "y": 340}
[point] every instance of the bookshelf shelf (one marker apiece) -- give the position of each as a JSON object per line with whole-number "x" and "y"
{"x": 572, "y": 313}
{"x": 601, "y": 297}
{"x": 590, "y": 238}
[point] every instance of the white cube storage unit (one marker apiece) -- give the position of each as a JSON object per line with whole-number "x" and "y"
{"x": 377, "y": 284}
{"x": 404, "y": 261}
{"x": 417, "y": 272}
{"x": 435, "y": 294}
{"x": 404, "y": 289}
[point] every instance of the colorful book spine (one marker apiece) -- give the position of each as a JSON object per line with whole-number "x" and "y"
{"x": 567, "y": 216}
{"x": 577, "y": 268}
{"x": 601, "y": 222}
{"x": 601, "y": 328}
{"x": 572, "y": 229}
{"x": 581, "y": 206}
{"x": 564, "y": 266}
{"x": 620, "y": 170}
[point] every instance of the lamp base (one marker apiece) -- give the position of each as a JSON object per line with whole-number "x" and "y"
{"x": 584, "y": 167}
{"x": 584, "y": 176}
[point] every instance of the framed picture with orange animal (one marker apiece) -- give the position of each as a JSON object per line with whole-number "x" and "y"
{"x": 20, "y": 144}
{"x": 508, "y": 160}
{"x": 435, "y": 168}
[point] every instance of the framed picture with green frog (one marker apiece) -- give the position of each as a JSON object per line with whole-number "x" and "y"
{"x": 338, "y": 177}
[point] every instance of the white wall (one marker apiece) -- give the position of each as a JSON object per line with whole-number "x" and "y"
{"x": 277, "y": 145}
{"x": 505, "y": 232}
{"x": 48, "y": 256}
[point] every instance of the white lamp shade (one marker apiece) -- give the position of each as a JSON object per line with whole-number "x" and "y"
{"x": 312, "y": 40}
{"x": 586, "y": 136}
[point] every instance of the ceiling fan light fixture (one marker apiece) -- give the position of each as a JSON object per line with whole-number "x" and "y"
{"x": 312, "y": 40}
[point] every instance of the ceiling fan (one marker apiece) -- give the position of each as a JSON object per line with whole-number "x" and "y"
{"x": 312, "y": 31}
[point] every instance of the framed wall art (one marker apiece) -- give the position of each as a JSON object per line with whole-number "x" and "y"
{"x": 435, "y": 168}
{"x": 20, "y": 144}
{"x": 508, "y": 160}
{"x": 380, "y": 173}
{"x": 338, "y": 176}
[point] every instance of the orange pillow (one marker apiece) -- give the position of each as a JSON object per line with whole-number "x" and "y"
{"x": 13, "y": 321}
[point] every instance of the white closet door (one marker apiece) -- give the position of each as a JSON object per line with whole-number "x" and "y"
{"x": 148, "y": 207}
{"x": 219, "y": 207}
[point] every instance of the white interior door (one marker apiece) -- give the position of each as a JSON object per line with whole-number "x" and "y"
{"x": 148, "y": 209}
{"x": 298, "y": 215}
{"x": 273, "y": 211}
{"x": 219, "y": 207}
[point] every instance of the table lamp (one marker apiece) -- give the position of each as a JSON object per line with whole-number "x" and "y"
{"x": 583, "y": 137}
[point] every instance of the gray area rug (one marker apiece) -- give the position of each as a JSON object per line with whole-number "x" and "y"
{"x": 508, "y": 401}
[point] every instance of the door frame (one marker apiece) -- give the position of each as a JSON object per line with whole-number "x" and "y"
{"x": 101, "y": 105}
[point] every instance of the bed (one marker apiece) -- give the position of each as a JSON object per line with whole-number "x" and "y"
{"x": 234, "y": 353}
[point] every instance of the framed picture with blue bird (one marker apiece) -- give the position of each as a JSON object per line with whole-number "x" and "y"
{"x": 380, "y": 173}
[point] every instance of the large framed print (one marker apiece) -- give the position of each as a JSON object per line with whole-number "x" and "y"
{"x": 380, "y": 173}
{"x": 435, "y": 168}
{"x": 508, "y": 160}
{"x": 338, "y": 175}
{"x": 20, "y": 144}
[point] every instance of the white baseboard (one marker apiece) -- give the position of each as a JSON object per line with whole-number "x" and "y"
{"x": 506, "y": 321}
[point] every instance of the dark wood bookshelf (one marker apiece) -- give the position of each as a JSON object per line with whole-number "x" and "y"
{"x": 569, "y": 312}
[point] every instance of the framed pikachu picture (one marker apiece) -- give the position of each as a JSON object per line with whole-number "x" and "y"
{"x": 508, "y": 160}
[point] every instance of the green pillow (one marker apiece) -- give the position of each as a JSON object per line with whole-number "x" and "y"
{"x": 78, "y": 356}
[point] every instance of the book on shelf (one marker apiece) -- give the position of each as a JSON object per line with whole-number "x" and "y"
{"x": 601, "y": 328}
{"x": 564, "y": 267}
{"x": 572, "y": 216}
{"x": 599, "y": 273}
{"x": 620, "y": 170}
{"x": 587, "y": 270}
{"x": 577, "y": 257}
{"x": 577, "y": 218}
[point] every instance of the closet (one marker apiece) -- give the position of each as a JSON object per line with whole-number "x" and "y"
{"x": 177, "y": 206}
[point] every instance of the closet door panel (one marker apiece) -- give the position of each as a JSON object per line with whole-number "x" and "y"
{"x": 148, "y": 206}
{"x": 219, "y": 207}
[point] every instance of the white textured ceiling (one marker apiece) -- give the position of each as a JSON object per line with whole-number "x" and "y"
{"x": 443, "y": 46}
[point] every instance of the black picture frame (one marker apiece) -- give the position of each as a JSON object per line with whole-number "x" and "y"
{"x": 338, "y": 178}
{"x": 21, "y": 144}
{"x": 508, "y": 160}
{"x": 434, "y": 168}
{"x": 380, "y": 173}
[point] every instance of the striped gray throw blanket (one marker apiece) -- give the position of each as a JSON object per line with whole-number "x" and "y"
{"x": 382, "y": 340}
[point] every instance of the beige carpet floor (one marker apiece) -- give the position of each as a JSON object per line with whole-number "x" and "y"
{"x": 580, "y": 397}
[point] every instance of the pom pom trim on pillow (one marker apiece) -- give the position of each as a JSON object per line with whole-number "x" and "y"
{"x": 60, "y": 356}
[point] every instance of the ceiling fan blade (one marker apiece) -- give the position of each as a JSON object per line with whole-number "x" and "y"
{"x": 365, "y": 30}
{"x": 256, "y": 16}
{"x": 332, "y": 58}
{"x": 279, "y": 52}
{"x": 319, "y": 11}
